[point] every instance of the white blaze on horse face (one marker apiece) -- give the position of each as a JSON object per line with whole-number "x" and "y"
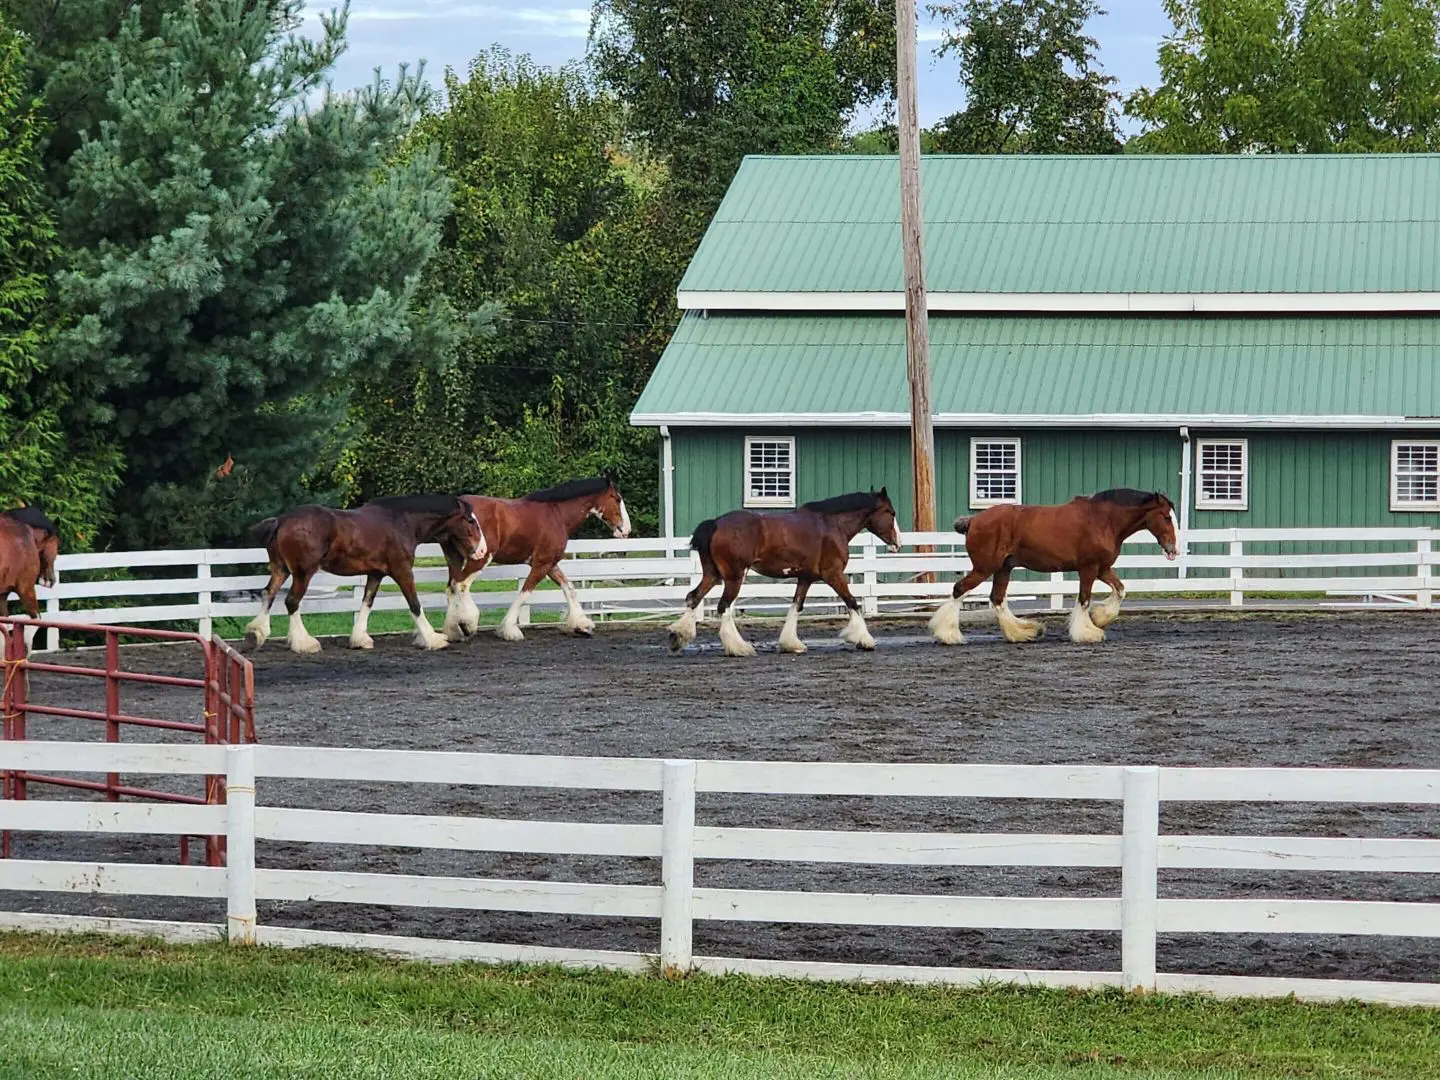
{"x": 624, "y": 521}
{"x": 481, "y": 548}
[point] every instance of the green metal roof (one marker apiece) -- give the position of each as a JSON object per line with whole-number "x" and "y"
{"x": 1124, "y": 223}
{"x": 1144, "y": 371}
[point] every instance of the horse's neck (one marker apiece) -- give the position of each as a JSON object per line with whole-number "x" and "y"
{"x": 574, "y": 511}
{"x": 1127, "y": 521}
{"x": 852, "y": 523}
{"x": 421, "y": 527}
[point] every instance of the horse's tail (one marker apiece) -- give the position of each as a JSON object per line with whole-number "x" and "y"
{"x": 700, "y": 540}
{"x": 262, "y": 532}
{"x": 962, "y": 524}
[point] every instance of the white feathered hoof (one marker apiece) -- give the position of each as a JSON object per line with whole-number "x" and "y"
{"x": 508, "y": 631}
{"x": 1017, "y": 629}
{"x": 682, "y": 630}
{"x": 857, "y": 634}
{"x": 945, "y": 623}
{"x": 305, "y": 646}
{"x": 257, "y": 632}
{"x": 1082, "y": 630}
{"x": 730, "y": 639}
{"x": 362, "y": 641}
{"x": 454, "y": 632}
{"x": 1107, "y": 611}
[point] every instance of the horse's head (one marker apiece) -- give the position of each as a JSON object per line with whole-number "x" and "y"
{"x": 462, "y": 528}
{"x": 882, "y": 522}
{"x": 1160, "y": 520}
{"x": 49, "y": 545}
{"x": 609, "y": 507}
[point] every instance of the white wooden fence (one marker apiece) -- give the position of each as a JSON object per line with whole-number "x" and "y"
{"x": 677, "y": 841}
{"x": 651, "y": 576}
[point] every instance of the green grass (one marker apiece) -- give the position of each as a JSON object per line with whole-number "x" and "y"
{"x": 110, "y": 1009}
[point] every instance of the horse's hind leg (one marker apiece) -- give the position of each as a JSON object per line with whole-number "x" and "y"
{"x": 1106, "y": 612}
{"x": 257, "y": 630}
{"x": 789, "y": 635}
{"x": 510, "y": 626}
{"x": 945, "y": 623}
{"x": 297, "y": 637}
{"x": 682, "y": 630}
{"x": 576, "y": 621}
{"x": 1014, "y": 628}
{"x": 1082, "y": 629}
{"x": 359, "y": 638}
{"x": 730, "y": 639}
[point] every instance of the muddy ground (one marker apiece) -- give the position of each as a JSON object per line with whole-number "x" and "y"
{"x": 1343, "y": 690}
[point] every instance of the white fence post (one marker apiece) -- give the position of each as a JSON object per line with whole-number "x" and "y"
{"x": 240, "y": 843}
{"x": 1057, "y": 599}
{"x": 1425, "y": 597}
{"x": 202, "y": 574}
{"x": 677, "y": 866}
{"x": 870, "y": 601}
{"x": 52, "y": 612}
{"x": 1237, "y": 594}
{"x": 1139, "y": 884}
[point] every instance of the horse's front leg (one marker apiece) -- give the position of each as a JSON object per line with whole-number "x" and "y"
{"x": 425, "y": 635}
{"x": 297, "y": 637}
{"x": 730, "y": 639}
{"x": 462, "y": 617}
{"x": 682, "y": 630}
{"x": 1014, "y": 628}
{"x": 855, "y": 632}
{"x": 789, "y": 636}
{"x": 945, "y": 623}
{"x": 257, "y": 630}
{"x": 510, "y": 626}
{"x": 576, "y": 621}
{"x": 1106, "y": 612}
{"x": 1082, "y": 628}
{"x": 359, "y": 637}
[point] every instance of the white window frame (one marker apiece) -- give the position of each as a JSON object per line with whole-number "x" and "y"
{"x": 976, "y": 502}
{"x": 1396, "y": 503}
{"x": 1204, "y": 502}
{"x": 769, "y": 500}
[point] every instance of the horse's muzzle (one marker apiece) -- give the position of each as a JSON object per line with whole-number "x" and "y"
{"x": 892, "y": 548}
{"x": 1172, "y": 554}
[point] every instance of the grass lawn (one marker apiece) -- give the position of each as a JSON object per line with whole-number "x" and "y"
{"x": 87, "y": 1007}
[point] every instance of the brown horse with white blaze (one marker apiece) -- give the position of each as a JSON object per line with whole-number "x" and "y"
{"x": 809, "y": 544}
{"x": 533, "y": 529}
{"x": 1083, "y": 535}
{"x": 377, "y": 539}
{"x": 29, "y": 546}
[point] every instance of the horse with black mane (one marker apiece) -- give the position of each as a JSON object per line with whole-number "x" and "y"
{"x": 1083, "y": 535}
{"x": 810, "y": 543}
{"x": 376, "y": 539}
{"x": 533, "y": 529}
{"x": 29, "y": 546}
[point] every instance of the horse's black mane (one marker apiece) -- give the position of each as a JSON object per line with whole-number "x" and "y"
{"x": 418, "y": 504}
{"x": 34, "y": 517}
{"x": 571, "y": 489}
{"x": 1124, "y": 497}
{"x": 844, "y": 504}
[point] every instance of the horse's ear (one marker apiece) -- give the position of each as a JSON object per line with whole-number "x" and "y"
{"x": 884, "y": 494}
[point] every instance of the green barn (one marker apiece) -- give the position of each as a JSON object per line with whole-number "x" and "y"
{"x": 1259, "y": 337}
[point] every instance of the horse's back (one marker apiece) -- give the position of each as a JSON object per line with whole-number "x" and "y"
{"x": 19, "y": 554}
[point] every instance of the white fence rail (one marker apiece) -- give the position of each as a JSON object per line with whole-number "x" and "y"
{"x": 1140, "y": 852}
{"x": 652, "y": 575}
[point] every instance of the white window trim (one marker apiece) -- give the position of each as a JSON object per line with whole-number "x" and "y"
{"x": 976, "y": 502}
{"x": 1396, "y": 503}
{"x": 1204, "y": 503}
{"x": 763, "y": 501}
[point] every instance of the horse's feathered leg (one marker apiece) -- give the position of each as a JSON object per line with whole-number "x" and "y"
{"x": 359, "y": 638}
{"x": 425, "y": 635}
{"x": 462, "y": 617}
{"x": 730, "y": 639}
{"x": 297, "y": 637}
{"x": 576, "y": 621}
{"x": 1106, "y": 611}
{"x": 1082, "y": 629}
{"x": 855, "y": 632}
{"x": 945, "y": 623}
{"x": 682, "y": 630}
{"x": 1014, "y": 628}
{"x": 257, "y": 631}
{"x": 789, "y": 635}
{"x": 510, "y": 626}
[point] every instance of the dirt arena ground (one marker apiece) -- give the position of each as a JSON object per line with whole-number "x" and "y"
{"x": 1341, "y": 690}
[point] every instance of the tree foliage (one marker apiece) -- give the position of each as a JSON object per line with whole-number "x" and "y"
{"x": 556, "y": 228}
{"x": 706, "y": 83}
{"x": 233, "y": 258}
{"x": 1289, "y": 76}
{"x": 1033, "y": 83}
{"x": 36, "y": 464}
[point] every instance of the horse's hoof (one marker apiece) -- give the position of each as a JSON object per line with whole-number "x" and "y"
{"x": 509, "y": 632}
{"x": 949, "y": 637}
{"x": 584, "y": 631}
{"x": 250, "y": 643}
{"x": 677, "y": 643}
{"x": 306, "y": 648}
{"x": 366, "y": 642}
{"x": 794, "y": 648}
{"x": 866, "y": 644}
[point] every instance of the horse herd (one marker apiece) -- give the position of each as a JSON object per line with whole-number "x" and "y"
{"x": 808, "y": 544}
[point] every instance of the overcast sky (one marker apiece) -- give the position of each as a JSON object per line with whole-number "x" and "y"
{"x": 448, "y": 33}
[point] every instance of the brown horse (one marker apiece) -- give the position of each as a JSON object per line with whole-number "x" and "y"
{"x": 809, "y": 544}
{"x": 533, "y": 529}
{"x": 1083, "y": 535}
{"x": 29, "y": 546}
{"x": 376, "y": 540}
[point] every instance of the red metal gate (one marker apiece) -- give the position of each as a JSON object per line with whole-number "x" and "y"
{"x": 227, "y": 714}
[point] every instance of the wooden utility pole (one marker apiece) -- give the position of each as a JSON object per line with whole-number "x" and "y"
{"x": 917, "y": 334}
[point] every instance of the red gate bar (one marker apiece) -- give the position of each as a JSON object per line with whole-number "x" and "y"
{"x": 228, "y": 714}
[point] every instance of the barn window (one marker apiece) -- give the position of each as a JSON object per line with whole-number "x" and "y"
{"x": 1415, "y": 475}
{"x": 994, "y": 471}
{"x": 1223, "y": 478}
{"x": 769, "y": 471}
